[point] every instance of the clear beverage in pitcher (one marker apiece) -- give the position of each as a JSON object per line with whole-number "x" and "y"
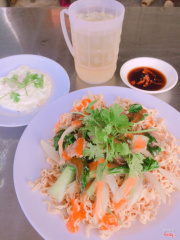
{"x": 96, "y": 52}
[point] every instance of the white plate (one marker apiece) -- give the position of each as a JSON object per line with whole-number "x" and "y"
{"x": 164, "y": 67}
{"x": 30, "y": 160}
{"x": 58, "y": 75}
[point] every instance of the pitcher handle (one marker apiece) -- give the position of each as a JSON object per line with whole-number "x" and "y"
{"x": 66, "y": 37}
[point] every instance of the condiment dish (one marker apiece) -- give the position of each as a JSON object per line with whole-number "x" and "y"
{"x": 147, "y": 62}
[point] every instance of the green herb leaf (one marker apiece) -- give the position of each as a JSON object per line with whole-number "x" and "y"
{"x": 15, "y": 77}
{"x": 20, "y": 85}
{"x": 116, "y": 118}
{"x": 150, "y": 164}
{"x": 122, "y": 149}
{"x": 85, "y": 173}
{"x": 39, "y": 82}
{"x": 69, "y": 139}
{"x": 151, "y": 138}
{"x": 154, "y": 150}
{"x": 136, "y": 164}
{"x": 27, "y": 78}
{"x": 84, "y": 133}
{"x": 56, "y": 146}
{"x": 89, "y": 106}
{"x": 144, "y": 116}
{"x": 34, "y": 76}
{"x": 56, "y": 139}
{"x": 93, "y": 152}
{"x": 104, "y": 129}
{"x": 134, "y": 108}
{"x": 119, "y": 170}
{"x": 15, "y": 96}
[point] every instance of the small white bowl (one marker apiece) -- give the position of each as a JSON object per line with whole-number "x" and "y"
{"x": 162, "y": 66}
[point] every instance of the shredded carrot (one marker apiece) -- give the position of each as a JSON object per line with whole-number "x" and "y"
{"x": 76, "y": 216}
{"x": 82, "y": 105}
{"x": 130, "y": 182}
{"x": 93, "y": 166}
{"x": 109, "y": 165}
{"x": 61, "y": 118}
{"x": 57, "y": 128}
{"x": 76, "y": 123}
{"x": 85, "y": 102}
{"x": 120, "y": 204}
{"x": 79, "y": 148}
{"x": 65, "y": 156}
{"x": 129, "y": 186}
{"x": 150, "y": 121}
{"x": 109, "y": 222}
{"x": 77, "y": 109}
{"x": 101, "y": 160}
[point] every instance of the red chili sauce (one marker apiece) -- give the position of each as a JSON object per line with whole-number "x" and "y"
{"x": 146, "y": 78}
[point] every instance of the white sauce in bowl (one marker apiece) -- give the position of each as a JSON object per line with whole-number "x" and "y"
{"x": 35, "y": 96}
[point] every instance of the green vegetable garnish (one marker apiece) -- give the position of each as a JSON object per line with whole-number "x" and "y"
{"x": 85, "y": 173}
{"x": 154, "y": 150}
{"x": 69, "y": 139}
{"x": 100, "y": 171}
{"x": 15, "y": 96}
{"x": 151, "y": 138}
{"x": 144, "y": 116}
{"x": 107, "y": 127}
{"x": 56, "y": 139}
{"x": 149, "y": 164}
{"x": 16, "y": 85}
{"x": 134, "y": 108}
{"x": 119, "y": 170}
{"x": 39, "y": 82}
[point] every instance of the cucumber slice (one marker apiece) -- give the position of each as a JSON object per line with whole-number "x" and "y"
{"x": 58, "y": 190}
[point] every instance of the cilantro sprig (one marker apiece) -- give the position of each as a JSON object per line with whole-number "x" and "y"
{"x": 106, "y": 128}
{"x": 149, "y": 164}
{"x": 16, "y": 85}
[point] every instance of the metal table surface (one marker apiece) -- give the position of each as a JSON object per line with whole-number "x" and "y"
{"x": 153, "y": 32}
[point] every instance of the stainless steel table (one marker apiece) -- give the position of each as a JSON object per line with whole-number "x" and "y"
{"x": 153, "y": 32}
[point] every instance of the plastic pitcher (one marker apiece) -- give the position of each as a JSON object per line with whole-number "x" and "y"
{"x": 95, "y": 41}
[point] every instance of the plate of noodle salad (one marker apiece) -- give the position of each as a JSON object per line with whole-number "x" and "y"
{"x": 101, "y": 163}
